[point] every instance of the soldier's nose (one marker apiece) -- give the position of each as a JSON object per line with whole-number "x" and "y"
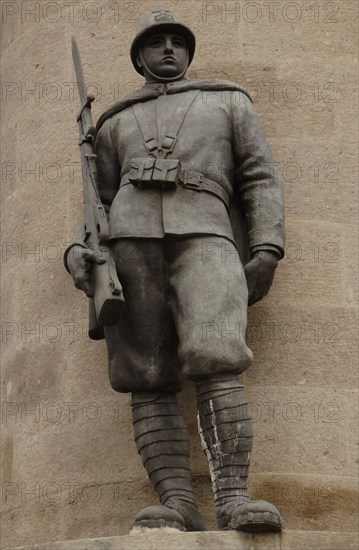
{"x": 169, "y": 47}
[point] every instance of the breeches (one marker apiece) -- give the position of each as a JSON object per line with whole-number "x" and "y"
{"x": 185, "y": 313}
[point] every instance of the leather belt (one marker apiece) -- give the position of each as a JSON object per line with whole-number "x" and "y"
{"x": 195, "y": 181}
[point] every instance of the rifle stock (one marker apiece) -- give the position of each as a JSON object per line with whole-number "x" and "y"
{"x": 108, "y": 298}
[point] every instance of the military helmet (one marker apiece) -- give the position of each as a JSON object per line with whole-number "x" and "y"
{"x": 161, "y": 20}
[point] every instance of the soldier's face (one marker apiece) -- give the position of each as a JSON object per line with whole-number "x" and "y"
{"x": 163, "y": 55}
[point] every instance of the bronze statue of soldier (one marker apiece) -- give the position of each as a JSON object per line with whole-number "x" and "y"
{"x": 173, "y": 158}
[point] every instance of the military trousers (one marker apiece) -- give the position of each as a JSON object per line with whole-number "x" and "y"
{"x": 185, "y": 313}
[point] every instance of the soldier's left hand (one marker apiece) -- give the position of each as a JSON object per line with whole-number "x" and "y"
{"x": 259, "y": 275}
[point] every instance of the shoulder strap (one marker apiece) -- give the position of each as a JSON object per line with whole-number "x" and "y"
{"x": 147, "y": 127}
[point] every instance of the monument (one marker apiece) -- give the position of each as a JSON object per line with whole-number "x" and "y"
{"x": 70, "y": 468}
{"x": 171, "y": 160}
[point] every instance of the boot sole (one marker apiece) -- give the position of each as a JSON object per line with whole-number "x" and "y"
{"x": 256, "y": 522}
{"x": 157, "y": 524}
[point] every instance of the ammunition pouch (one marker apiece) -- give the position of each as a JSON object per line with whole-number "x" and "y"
{"x": 157, "y": 173}
{"x": 166, "y": 174}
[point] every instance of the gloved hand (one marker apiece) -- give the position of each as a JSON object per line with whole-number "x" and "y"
{"x": 259, "y": 273}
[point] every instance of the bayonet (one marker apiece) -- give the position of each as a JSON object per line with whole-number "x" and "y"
{"x": 108, "y": 299}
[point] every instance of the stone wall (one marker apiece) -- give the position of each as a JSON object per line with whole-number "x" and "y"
{"x": 70, "y": 468}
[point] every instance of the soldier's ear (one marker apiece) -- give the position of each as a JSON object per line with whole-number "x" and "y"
{"x": 139, "y": 59}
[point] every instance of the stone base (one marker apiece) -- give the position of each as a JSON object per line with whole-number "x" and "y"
{"x": 163, "y": 539}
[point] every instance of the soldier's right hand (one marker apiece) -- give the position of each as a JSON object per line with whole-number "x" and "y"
{"x": 80, "y": 263}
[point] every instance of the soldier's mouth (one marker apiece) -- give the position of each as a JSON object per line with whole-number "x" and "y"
{"x": 168, "y": 58}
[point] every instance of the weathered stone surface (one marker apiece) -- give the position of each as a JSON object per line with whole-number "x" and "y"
{"x": 319, "y": 339}
{"x": 162, "y": 539}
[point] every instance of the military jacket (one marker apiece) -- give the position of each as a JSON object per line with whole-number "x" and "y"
{"x": 220, "y": 137}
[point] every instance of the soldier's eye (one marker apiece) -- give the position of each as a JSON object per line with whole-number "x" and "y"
{"x": 155, "y": 43}
{"x": 179, "y": 43}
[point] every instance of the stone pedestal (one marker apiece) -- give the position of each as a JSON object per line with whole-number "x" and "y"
{"x": 163, "y": 539}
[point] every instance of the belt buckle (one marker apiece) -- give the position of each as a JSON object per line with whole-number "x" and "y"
{"x": 192, "y": 181}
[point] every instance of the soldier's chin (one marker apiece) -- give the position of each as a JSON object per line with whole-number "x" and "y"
{"x": 169, "y": 71}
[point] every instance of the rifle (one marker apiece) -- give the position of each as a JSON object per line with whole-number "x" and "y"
{"x": 108, "y": 298}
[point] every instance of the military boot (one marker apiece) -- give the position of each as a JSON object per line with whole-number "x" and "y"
{"x": 225, "y": 429}
{"x": 163, "y": 444}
